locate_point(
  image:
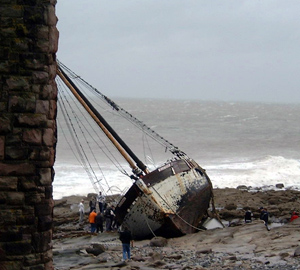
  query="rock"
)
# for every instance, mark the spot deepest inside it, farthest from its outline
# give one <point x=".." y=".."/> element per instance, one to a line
<point x="280" y="185"/>
<point x="242" y="187"/>
<point x="203" y="251"/>
<point x="138" y="258"/>
<point x="297" y="252"/>
<point x="230" y="206"/>
<point x="96" y="249"/>
<point x="158" y="242"/>
<point x="155" y="256"/>
<point x="157" y="264"/>
<point x="175" y="257"/>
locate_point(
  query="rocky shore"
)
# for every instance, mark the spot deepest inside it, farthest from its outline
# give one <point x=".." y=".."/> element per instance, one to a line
<point x="237" y="246"/>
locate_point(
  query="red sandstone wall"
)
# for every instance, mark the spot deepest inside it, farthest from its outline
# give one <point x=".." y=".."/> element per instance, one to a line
<point x="28" y="93"/>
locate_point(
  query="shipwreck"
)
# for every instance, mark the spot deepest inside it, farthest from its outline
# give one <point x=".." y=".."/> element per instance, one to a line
<point x="170" y="200"/>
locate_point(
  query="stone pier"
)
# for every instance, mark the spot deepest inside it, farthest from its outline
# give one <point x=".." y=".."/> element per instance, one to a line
<point x="28" y="95"/>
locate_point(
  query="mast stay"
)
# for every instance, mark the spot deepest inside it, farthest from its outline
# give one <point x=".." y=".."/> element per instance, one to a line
<point x="139" y="124"/>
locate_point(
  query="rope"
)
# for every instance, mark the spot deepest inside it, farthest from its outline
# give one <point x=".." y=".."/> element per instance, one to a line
<point x="128" y="116"/>
<point x="149" y="226"/>
<point x="192" y="226"/>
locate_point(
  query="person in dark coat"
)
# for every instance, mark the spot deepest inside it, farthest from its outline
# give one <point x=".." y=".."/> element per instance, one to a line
<point x="126" y="239"/>
<point x="92" y="204"/>
<point x="248" y="216"/>
<point x="264" y="215"/>
<point x="99" y="222"/>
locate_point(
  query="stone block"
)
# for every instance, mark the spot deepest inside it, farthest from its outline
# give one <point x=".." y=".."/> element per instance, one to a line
<point x="50" y="17"/>
<point x="45" y="176"/>
<point x="32" y="120"/>
<point x="7" y="217"/>
<point x="44" y="209"/>
<point x="33" y="259"/>
<point x="48" y="137"/>
<point x="18" y="83"/>
<point x="18" y="248"/>
<point x="34" y="153"/>
<point x="43" y="32"/>
<point x="12" y="11"/>
<point x="2" y="144"/>
<point x="53" y="109"/>
<point x="32" y="136"/>
<point x="27" y="184"/>
<point x="41" y="77"/>
<point x="52" y="71"/>
<point x="20" y="104"/>
<point x="42" y="106"/>
<point x="8" y="183"/>
<point x="5" y="124"/>
<point x="45" y="153"/>
<point x="27" y="220"/>
<point x="15" y="152"/>
<point x="53" y="39"/>
<point x="15" y="198"/>
<point x="16" y="169"/>
<point x="34" y="197"/>
<point x="10" y="235"/>
<point x="45" y="223"/>
<point x="41" y="241"/>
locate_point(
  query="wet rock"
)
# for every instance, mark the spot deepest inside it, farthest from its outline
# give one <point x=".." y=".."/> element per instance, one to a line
<point x="155" y="256"/>
<point x="242" y="187"/>
<point x="230" y="206"/>
<point x="297" y="252"/>
<point x="138" y="258"/>
<point x="203" y="251"/>
<point x="158" y="242"/>
<point x="280" y="185"/>
<point x="95" y="249"/>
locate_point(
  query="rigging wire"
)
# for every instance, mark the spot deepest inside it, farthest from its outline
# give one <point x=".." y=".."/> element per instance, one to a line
<point x="139" y="124"/>
<point x="75" y="139"/>
<point x="111" y="157"/>
<point x="108" y="154"/>
<point x="80" y="149"/>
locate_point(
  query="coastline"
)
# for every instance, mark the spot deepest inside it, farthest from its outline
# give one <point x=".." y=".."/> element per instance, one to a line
<point x="237" y="246"/>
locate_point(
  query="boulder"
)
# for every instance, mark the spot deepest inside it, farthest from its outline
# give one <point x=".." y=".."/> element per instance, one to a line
<point x="95" y="249"/>
<point x="158" y="242"/>
<point x="297" y="252"/>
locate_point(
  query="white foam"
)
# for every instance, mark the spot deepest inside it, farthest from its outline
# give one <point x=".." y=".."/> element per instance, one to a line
<point x="267" y="171"/>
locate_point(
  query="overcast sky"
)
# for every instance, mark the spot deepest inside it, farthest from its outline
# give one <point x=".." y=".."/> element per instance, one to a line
<point x="207" y="50"/>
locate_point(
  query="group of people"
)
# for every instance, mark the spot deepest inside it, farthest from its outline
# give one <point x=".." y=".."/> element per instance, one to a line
<point x="264" y="216"/>
<point x="96" y="219"/>
<point x="106" y="213"/>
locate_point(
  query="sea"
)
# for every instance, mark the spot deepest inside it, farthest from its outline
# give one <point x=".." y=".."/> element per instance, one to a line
<point x="256" y="145"/>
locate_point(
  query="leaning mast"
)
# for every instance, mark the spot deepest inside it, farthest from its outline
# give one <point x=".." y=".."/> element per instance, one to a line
<point x="121" y="146"/>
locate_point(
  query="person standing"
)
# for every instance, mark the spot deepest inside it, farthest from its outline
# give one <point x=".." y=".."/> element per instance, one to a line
<point x="126" y="239"/>
<point x="92" y="220"/>
<point x="109" y="216"/>
<point x="92" y="204"/>
<point x="99" y="222"/>
<point x="81" y="211"/>
<point x="248" y="216"/>
<point x="264" y="215"/>
<point x="101" y="200"/>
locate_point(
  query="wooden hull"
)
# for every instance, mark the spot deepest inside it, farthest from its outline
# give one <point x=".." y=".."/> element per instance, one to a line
<point x="169" y="202"/>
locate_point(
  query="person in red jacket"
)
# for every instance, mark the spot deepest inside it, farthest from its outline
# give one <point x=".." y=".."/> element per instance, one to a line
<point x="92" y="220"/>
<point x="294" y="216"/>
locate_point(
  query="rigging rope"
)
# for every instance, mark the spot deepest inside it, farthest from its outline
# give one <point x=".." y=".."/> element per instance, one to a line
<point x="139" y="124"/>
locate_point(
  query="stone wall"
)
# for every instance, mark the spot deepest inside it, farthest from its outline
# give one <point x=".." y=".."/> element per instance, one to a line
<point x="28" y="93"/>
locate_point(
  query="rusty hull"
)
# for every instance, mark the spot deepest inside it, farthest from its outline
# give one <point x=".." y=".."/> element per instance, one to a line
<point x="169" y="202"/>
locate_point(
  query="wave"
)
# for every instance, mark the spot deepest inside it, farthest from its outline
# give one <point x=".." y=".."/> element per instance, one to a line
<point x="267" y="171"/>
<point x="262" y="172"/>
